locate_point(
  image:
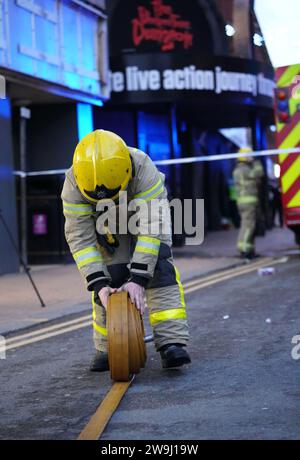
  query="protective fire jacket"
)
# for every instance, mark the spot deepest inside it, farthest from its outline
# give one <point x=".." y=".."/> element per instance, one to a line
<point x="247" y="178"/>
<point x="146" y="184"/>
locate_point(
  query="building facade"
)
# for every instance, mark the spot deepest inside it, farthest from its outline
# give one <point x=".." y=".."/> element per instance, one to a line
<point x="182" y="73"/>
<point x="54" y="62"/>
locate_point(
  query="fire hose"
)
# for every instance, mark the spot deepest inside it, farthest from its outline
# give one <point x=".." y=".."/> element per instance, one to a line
<point x="126" y="338"/>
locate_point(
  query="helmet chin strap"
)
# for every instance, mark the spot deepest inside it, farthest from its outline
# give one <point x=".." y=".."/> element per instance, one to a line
<point x="102" y="193"/>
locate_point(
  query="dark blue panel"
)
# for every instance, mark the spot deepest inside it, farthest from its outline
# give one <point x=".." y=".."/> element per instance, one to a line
<point x="8" y="259"/>
<point x="121" y="123"/>
<point x="154" y="135"/>
<point x="154" y="138"/>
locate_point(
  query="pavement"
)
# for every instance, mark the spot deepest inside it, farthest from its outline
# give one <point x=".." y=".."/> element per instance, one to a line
<point x="63" y="291"/>
<point x="243" y="382"/>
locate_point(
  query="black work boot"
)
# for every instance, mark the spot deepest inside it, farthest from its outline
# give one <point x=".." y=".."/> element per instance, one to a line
<point x="249" y="255"/>
<point x="100" y="362"/>
<point x="174" y="355"/>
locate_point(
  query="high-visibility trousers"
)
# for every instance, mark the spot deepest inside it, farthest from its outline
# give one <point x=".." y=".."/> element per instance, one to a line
<point x="164" y="295"/>
<point x="246" y="237"/>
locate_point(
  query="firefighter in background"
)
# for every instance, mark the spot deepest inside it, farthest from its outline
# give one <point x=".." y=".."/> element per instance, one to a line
<point x="247" y="176"/>
<point x="275" y="202"/>
<point x="142" y="265"/>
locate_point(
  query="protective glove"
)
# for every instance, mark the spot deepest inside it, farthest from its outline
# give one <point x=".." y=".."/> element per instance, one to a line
<point x="136" y="294"/>
<point x="104" y="294"/>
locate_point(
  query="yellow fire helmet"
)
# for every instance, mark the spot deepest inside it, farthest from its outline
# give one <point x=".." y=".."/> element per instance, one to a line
<point x="245" y="150"/>
<point x="102" y="166"/>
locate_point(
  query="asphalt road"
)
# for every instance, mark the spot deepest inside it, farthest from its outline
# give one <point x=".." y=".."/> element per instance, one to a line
<point x="242" y="383"/>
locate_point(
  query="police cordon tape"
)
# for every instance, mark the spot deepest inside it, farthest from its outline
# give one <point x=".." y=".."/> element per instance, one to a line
<point x="178" y="161"/>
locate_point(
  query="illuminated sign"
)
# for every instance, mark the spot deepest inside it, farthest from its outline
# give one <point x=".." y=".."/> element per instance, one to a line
<point x="144" y="78"/>
<point x="39" y="224"/>
<point x="162" y="25"/>
<point x="159" y="26"/>
<point x="164" y="51"/>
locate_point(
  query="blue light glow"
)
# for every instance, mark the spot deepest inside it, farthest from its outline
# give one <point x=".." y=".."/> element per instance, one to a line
<point x="48" y="48"/>
<point x="5" y="172"/>
<point x="5" y="108"/>
<point x="85" y="122"/>
<point x="258" y="133"/>
<point x="176" y="146"/>
<point x="154" y="135"/>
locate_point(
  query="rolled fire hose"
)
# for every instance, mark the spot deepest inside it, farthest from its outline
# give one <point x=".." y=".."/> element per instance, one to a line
<point x="125" y="335"/>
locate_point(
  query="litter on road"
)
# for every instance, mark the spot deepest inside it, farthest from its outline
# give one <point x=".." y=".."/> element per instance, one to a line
<point x="266" y="271"/>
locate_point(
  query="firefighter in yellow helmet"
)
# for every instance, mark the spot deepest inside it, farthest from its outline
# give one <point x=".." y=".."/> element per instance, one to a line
<point x="104" y="168"/>
<point x="247" y="177"/>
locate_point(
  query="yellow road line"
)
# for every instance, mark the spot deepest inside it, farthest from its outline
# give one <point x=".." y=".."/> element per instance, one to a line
<point x="223" y="277"/>
<point x="103" y="414"/>
<point x="4" y="348"/>
<point x="85" y="321"/>
<point x="235" y="270"/>
<point x="47" y="329"/>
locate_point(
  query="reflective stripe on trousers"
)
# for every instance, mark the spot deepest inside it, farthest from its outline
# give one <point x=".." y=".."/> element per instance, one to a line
<point x="247" y="199"/>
